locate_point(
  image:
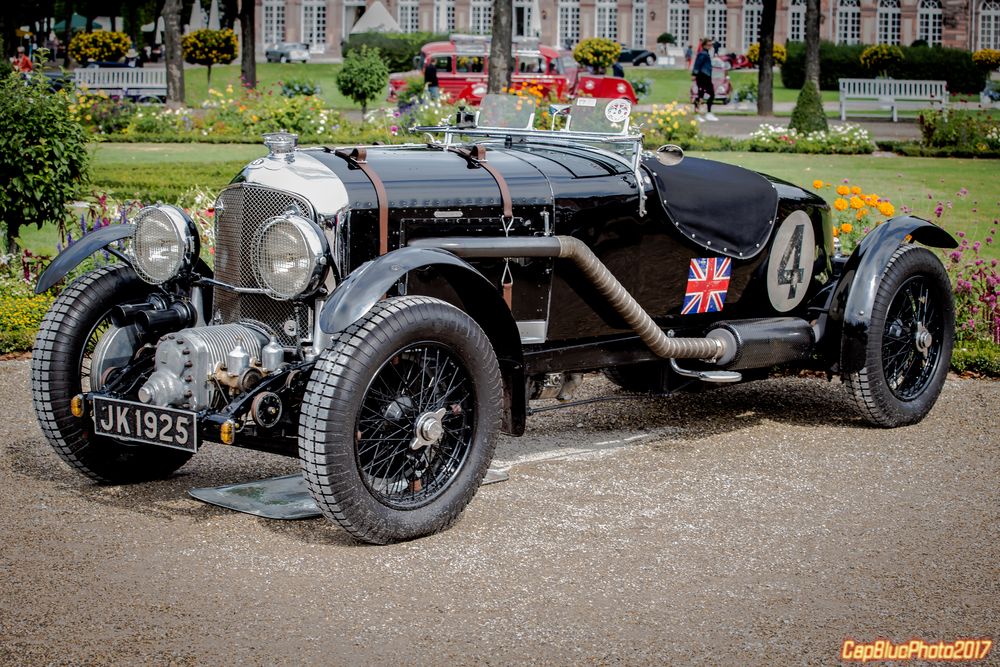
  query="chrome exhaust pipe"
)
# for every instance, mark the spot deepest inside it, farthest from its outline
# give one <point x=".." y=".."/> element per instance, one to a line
<point x="568" y="247"/>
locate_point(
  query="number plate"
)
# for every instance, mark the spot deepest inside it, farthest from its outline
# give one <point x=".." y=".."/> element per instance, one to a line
<point x="126" y="420"/>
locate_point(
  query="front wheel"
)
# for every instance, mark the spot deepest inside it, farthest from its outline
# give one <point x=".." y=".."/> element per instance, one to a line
<point x="400" y="419"/>
<point x="650" y="60"/>
<point x="61" y="369"/>
<point x="910" y="339"/>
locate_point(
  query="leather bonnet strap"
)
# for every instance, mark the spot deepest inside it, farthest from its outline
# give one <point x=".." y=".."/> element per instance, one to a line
<point x="357" y="158"/>
<point x="476" y="157"/>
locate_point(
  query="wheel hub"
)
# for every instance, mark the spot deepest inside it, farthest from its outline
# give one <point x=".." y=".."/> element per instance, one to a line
<point x="429" y="430"/>
<point x="923" y="339"/>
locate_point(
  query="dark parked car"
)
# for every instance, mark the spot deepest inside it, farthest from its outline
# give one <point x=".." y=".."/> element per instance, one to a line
<point x="637" y="56"/>
<point x="289" y="52"/>
<point x="382" y="313"/>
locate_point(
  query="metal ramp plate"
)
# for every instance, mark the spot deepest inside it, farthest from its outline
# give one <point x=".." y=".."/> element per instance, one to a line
<point x="282" y="498"/>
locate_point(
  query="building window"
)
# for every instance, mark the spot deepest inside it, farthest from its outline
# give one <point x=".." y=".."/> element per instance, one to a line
<point x="314" y="24"/>
<point x="751" y="22"/>
<point x="888" y="21"/>
<point x="849" y="22"/>
<point x="444" y="16"/>
<point x="353" y="11"/>
<point x="797" y="21"/>
<point x="481" y="17"/>
<point x="989" y="25"/>
<point x="522" y="19"/>
<point x="639" y="24"/>
<point x="409" y="15"/>
<point x="607" y="19"/>
<point x="679" y="21"/>
<point x="929" y="22"/>
<point x="273" y="21"/>
<point x="569" y="23"/>
<point x="715" y="21"/>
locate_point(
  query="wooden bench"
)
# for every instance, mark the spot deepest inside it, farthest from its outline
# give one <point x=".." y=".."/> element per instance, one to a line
<point x="142" y="84"/>
<point x="891" y="94"/>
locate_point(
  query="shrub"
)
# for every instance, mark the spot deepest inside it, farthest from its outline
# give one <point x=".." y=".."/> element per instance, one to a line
<point x="883" y="59"/>
<point x="5" y="66"/>
<point x="780" y="54"/>
<point x="102" y="46"/>
<point x="210" y="47"/>
<point x="642" y="87"/>
<point x="987" y="59"/>
<point x="295" y="87"/>
<point x="398" y="50"/>
<point x="808" y="114"/>
<point x="597" y="52"/>
<point x="976" y="356"/>
<point x="668" y="124"/>
<point x="43" y="154"/>
<point x="363" y="77"/>
<point x="970" y="130"/>
<point x="955" y="66"/>
<point x="977" y="290"/>
<point x="845" y="139"/>
<point x="102" y="114"/>
<point x="666" y="38"/>
<point x="747" y="92"/>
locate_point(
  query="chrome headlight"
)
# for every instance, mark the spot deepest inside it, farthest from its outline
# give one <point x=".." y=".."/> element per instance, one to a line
<point x="165" y="241"/>
<point x="290" y="256"/>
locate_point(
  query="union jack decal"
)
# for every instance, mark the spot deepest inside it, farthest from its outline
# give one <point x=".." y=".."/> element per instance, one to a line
<point x="708" y="282"/>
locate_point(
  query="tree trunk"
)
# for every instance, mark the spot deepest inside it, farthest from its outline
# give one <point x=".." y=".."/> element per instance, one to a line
<point x="501" y="60"/>
<point x="812" y="41"/>
<point x="10" y="241"/>
<point x="68" y="32"/>
<point x="209" y="79"/>
<point x="765" y="66"/>
<point x="172" y="52"/>
<point x="248" y="55"/>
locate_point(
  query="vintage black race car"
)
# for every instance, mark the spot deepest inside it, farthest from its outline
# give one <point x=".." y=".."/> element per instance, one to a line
<point x="383" y="312"/>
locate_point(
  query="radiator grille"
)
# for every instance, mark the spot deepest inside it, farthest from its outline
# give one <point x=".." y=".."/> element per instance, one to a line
<point x="240" y="212"/>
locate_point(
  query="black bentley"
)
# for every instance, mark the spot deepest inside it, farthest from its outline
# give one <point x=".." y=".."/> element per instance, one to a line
<point x="384" y="312"/>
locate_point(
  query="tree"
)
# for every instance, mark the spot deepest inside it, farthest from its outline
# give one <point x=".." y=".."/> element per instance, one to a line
<point x="808" y="115"/>
<point x="210" y="47"/>
<point x="43" y="155"/>
<point x="172" y="52"/>
<point x="597" y="53"/>
<point x="765" y="69"/>
<point x="248" y="54"/>
<point x="103" y="46"/>
<point x="501" y="59"/>
<point x="812" y="41"/>
<point x="363" y="77"/>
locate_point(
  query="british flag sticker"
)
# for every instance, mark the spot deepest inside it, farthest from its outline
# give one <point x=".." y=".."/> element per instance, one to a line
<point x="708" y="283"/>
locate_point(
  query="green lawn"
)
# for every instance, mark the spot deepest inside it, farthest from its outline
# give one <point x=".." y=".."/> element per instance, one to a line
<point x="166" y="171"/>
<point x="268" y="75"/>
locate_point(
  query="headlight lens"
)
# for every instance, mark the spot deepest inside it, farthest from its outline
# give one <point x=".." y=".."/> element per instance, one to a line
<point x="291" y="254"/>
<point x="162" y="244"/>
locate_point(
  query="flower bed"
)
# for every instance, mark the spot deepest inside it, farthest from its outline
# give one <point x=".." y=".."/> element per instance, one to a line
<point x="847" y="139"/>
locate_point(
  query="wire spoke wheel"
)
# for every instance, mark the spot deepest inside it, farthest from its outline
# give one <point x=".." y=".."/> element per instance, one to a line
<point x="911" y="339"/>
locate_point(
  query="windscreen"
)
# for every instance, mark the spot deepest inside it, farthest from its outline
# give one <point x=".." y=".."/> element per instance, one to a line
<point x="591" y="114"/>
<point x="506" y="111"/>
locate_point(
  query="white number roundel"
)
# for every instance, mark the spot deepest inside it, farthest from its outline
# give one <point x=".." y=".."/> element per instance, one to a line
<point x="790" y="265"/>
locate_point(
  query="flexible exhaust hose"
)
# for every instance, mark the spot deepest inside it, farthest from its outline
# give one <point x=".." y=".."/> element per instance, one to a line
<point x="568" y="247"/>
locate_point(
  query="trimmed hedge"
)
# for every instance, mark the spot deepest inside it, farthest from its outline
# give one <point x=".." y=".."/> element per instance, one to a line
<point x="398" y="50"/>
<point x="841" y="61"/>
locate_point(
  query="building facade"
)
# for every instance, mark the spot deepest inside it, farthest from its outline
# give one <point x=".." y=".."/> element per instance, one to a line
<point x="324" y="24"/>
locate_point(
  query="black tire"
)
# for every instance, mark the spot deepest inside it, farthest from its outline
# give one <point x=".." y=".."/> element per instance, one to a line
<point x="60" y="370"/>
<point x="360" y="412"/>
<point x="903" y="372"/>
<point x="650" y="60"/>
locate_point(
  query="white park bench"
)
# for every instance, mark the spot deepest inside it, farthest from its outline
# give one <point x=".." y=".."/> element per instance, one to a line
<point x="143" y="84"/>
<point x="891" y="94"/>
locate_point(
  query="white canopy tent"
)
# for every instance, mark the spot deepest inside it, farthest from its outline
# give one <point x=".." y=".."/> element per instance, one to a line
<point x="376" y="19"/>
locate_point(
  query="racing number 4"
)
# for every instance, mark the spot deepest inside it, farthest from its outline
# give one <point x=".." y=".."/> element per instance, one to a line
<point x="794" y="276"/>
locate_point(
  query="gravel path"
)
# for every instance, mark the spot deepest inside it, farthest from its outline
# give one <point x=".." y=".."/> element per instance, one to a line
<point x="757" y="524"/>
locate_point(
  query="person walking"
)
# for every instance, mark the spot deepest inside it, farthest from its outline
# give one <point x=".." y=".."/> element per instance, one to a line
<point x="688" y="55"/>
<point x="431" y="79"/>
<point x="702" y="75"/>
<point x="22" y="63"/>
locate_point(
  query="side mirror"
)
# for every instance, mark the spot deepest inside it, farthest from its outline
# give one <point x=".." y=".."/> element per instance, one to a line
<point x="668" y="155"/>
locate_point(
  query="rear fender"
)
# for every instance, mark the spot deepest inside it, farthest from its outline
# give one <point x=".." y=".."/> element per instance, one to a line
<point x="83" y="248"/>
<point x="854" y="296"/>
<point x="478" y="297"/>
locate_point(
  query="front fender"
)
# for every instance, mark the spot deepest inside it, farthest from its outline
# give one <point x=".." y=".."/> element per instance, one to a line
<point x="83" y="248"/>
<point x="858" y="285"/>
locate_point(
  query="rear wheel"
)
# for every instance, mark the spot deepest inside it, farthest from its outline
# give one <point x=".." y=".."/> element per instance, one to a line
<point x="910" y="339"/>
<point x="650" y="60"/>
<point x="400" y="419"/>
<point x="61" y="369"/>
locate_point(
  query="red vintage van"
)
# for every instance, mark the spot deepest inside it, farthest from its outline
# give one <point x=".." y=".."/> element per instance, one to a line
<point x="461" y="65"/>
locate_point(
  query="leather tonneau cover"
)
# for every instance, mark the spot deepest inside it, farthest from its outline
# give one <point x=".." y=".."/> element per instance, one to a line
<point x="723" y="208"/>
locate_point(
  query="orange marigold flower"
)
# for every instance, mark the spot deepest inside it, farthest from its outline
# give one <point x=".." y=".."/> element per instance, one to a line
<point x="817" y="184"/>
<point x="836" y="231"/>
<point x="855" y="190"/>
<point x="886" y="209"/>
<point x="847" y="228"/>
<point x="843" y="190"/>
<point x="840" y="204"/>
<point x="857" y="203"/>
<point x="861" y="214"/>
